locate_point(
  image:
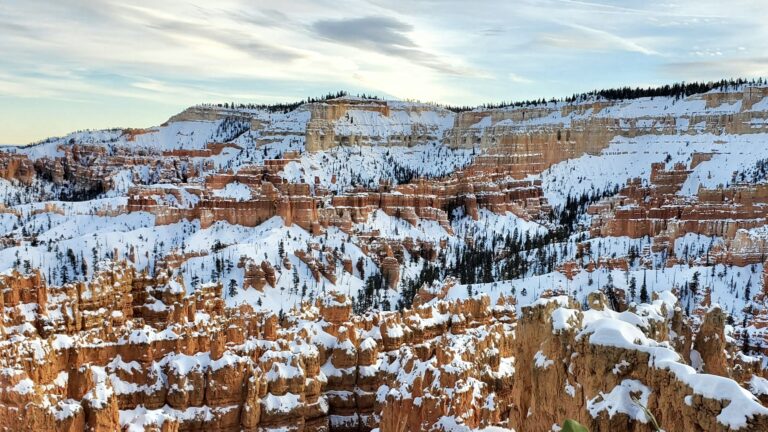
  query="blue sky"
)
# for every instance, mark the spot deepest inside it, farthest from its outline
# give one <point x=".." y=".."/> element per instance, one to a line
<point x="80" y="64"/>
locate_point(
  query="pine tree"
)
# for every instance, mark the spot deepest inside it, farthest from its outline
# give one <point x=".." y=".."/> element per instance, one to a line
<point x="694" y="284"/>
<point x="632" y="288"/>
<point x="72" y="258"/>
<point x="64" y="274"/>
<point x="644" y="291"/>
<point x="611" y="293"/>
<point x="745" y="342"/>
<point x="232" y="288"/>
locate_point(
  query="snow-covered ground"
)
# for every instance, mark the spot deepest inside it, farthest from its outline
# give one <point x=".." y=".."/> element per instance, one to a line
<point x="258" y="135"/>
<point x="628" y="158"/>
<point x="342" y="167"/>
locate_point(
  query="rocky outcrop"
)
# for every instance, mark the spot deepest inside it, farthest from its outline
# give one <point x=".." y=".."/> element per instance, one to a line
<point x="257" y="276"/>
<point x="659" y="212"/>
<point x="467" y="360"/>
<point x="710" y="343"/>
<point x="596" y="365"/>
<point x="354" y="121"/>
<point x="17" y="167"/>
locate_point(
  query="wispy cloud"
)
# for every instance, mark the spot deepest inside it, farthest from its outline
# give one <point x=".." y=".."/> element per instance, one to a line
<point x="182" y="30"/>
<point x="519" y="79"/>
<point x="718" y="69"/>
<point x="583" y="38"/>
<point x="382" y="35"/>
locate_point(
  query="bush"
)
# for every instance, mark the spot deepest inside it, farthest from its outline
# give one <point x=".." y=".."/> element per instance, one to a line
<point x="573" y="426"/>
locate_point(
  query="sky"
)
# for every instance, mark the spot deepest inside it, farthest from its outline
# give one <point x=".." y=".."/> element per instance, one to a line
<point x="68" y="65"/>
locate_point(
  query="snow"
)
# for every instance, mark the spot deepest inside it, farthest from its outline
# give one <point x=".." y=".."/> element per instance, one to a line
<point x="342" y="167"/>
<point x="758" y="386"/>
<point x="760" y="106"/>
<point x="99" y="395"/>
<point x="357" y="122"/>
<point x="66" y="409"/>
<point x="612" y="332"/>
<point x="562" y="319"/>
<point x="621" y="331"/>
<point x="25" y="386"/>
<point x="236" y="190"/>
<point x="726" y="282"/>
<point x="628" y="158"/>
<point x="395" y="332"/>
<point x="497" y="223"/>
<point x="542" y="361"/>
<point x="452" y="424"/>
<point x="117" y="363"/>
<point x="280" y="404"/>
<point x="139" y="418"/>
<point x="569" y="389"/>
<point x="147" y="335"/>
<point x="620" y="367"/>
<point x="280" y="371"/>
<point x="620" y="400"/>
<point x="178" y="135"/>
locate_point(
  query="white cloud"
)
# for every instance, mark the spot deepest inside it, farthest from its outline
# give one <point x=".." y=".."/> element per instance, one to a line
<point x="176" y="51"/>
<point x="518" y="78"/>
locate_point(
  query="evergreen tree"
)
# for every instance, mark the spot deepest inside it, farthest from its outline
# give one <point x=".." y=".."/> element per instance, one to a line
<point x="232" y="288"/>
<point x="610" y="292"/>
<point x="295" y="275"/>
<point x="693" y="285"/>
<point x="745" y="342"/>
<point x="64" y="274"/>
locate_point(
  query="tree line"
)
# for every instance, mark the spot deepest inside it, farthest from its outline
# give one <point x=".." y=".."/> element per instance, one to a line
<point x="286" y="107"/>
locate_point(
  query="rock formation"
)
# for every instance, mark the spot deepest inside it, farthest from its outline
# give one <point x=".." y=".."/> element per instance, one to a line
<point x="327" y="369"/>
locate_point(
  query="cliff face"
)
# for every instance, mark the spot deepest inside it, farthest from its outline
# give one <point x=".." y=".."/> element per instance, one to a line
<point x="602" y="369"/>
<point x="530" y="140"/>
<point x="349" y="122"/>
<point x="661" y="212"/>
